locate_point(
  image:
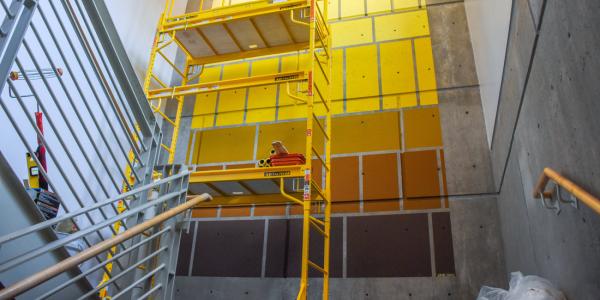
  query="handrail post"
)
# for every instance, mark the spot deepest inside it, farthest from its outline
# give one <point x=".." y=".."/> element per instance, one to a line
<point x="575" y="190"/>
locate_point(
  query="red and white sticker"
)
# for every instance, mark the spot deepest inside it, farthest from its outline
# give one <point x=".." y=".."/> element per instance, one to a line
<point x="306" y="184"/>
<point x="310" y="83"/>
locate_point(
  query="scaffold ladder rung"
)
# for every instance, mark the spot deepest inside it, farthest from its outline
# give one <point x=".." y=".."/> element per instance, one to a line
<point x="317" y="267"/>
<point x="319" y="191"/>
<point x="321" y="127"/>
<point x="320" y="230"/>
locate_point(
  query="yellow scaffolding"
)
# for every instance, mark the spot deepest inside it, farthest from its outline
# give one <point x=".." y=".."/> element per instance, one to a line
<point x="237" y="32"/>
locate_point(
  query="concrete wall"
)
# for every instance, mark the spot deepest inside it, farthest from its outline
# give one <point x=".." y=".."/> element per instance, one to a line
<point x="475" y="238"/>
<point x="20" y="214"/>
<point x="547" y="117"/>
<point x="136" y="24"/>
<point x="489" y="25"/>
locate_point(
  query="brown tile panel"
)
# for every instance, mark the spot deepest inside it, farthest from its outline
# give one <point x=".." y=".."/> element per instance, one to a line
<point x="296" y="209"/>
<point x="209" y="168"/>
<point x="380" y="177"/>
<point x="422" y="203"/>
<point x="345" y="207"/>
<point x="317" y="172"/>
<point x="229" y="248"/>
<point x="344" y="178"/>
<point x="185" y="251"/>
<point x="388" y="246"/>
<point x="234" y="211"/>
<point x="277" y="244"/>
<point x="381" y="205"/>
<point x="240" y="166"/>
<point x="269" y="210"/>
<point x="284" y="248"/>
<point x="336" y="247"/>
<point x="421" y="180"/>
<point x="442" y="241"/>
<point x="444" y="179"/>
<point x="209" y="212"/>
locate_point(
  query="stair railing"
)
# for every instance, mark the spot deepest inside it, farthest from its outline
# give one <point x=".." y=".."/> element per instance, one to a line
<point x="151" y="245"/>
<point x="577" y="193"/>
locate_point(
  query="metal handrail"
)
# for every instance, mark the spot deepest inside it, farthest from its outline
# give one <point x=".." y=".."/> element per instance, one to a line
<point x="71" y="262"/>
<point x="577" y="191"/>
<point x="96" y="206"/>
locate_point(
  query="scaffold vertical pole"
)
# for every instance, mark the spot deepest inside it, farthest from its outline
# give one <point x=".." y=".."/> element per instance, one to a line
<point x="327" y="168"/>
<point x="178" y="113"/>
<point x="302" y="294"/>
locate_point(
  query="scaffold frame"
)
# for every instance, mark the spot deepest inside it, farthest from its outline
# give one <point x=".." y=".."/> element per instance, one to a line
<point x="305" y="21"/>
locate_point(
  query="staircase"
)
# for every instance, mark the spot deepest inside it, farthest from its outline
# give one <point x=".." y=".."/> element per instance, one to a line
<point x="120" y="213"/>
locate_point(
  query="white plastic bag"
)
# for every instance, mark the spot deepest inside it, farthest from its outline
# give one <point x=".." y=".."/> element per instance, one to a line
<point x="523" y="288"/>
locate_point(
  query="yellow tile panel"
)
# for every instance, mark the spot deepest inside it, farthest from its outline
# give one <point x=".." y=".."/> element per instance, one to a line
<point x="292" y="134"/>
<point x="262" y="99"/>
<point x="195" y="149"/>
<point x="232" y="102"/>
<point x="333" y="11"/>
<point x="321" y="91"/>
<point x="405" y="4"/>
<point x="235" y="70"/>
<point x="397" y="68"/>
<point x="337" y="74"/>
<point x="378" y="6"/>
<point x="426" y="71"/>
<point x="289" y="108"/>
<point x="231" y="107"/>
<point x="362" y="104"/>
<point x="210" y="74"/>
<point x="365" y="133"/>
<point x="337" y="107"/>
<point x="354" y="32"/>
<point x="422" y="128"/>
<point x="399" y="101"/>
<point x="361" y="72"/>
<point x="397" y="75"/>
<point x="204" y="108"/>
<point x="233" y="2"/>
<point x="261" y="104"/>
<point x="401" y="25"/>
<point x="226" y="144"/>
<point x="294" y="62"/>
<point x="353" y="8"/>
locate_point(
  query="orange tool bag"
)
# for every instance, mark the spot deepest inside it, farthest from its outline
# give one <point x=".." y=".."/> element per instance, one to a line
<point x="289" y="159"/>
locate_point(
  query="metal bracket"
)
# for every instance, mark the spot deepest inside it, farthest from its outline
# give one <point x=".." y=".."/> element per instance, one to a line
<point x="572" y="199"/>
<point x="554" y="205"/>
